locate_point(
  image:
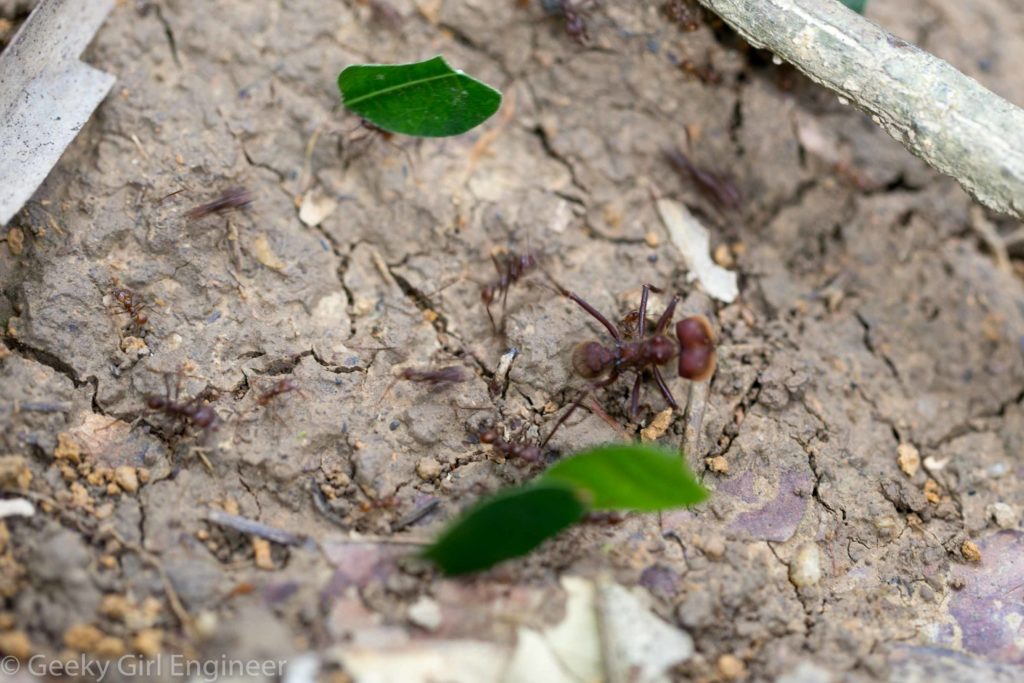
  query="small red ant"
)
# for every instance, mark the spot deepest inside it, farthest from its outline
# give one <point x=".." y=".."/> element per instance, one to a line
<point x="235" y="198"/>
<point x="384" y="13"/>
<point x="511" y="268"/>
<point x="693" y="345"/>
<point x="705" y="74"/>
<point x="130" y="302"/>
<point x="282" y="386"/>
<point x="718" y="188"/>
<point x="512" y="451"/>
<point x="194" y="411"/>
<point x="452" y="374"/>
<point x="575" y="24"/>
<point x="683" y="14"/>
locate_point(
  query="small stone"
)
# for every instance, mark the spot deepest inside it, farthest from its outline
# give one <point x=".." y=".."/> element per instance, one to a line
<point x="651" y="239"/>
<point x="231" y="506"/>
<point x="723" y="256"/>
<point x="83" y="637"/>
<point x="206" y="623"/>
<point x="126" y="478"/>
<point x="805" y="567"/>
<point x="135" y="347"/>
<point x="909" y="459"/>
<point x="112" y="489"/>
<point x="714" y="547"/>
<point x="143" y="475"/>
<point x="261" y="549"/>
<point x="16" y="240"/>
<point x="425" y="613"/>
<point x="110" y="647"/>
<point x="731" y="667"/>
<point x="971" y="551"/>
<point x="932" y="491"/>
<point x="147" y="642"/>
<point x="116" y="606"/>
<point x="718" y="464"/>
<point x="14" y="471"/>
<point x="659" y="425"/>
<point x="1002" y="514"/>
<point x="67" y="448"/>
<point x="16" y="644"/>
<point x="428" y="469"/>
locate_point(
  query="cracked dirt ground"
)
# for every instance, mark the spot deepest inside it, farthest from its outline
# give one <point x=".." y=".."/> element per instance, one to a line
<point x="872" y="323"/>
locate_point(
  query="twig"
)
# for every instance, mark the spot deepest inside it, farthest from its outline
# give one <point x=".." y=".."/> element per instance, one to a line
<point x="252" y="527"/>
<point x="940" y="115"/>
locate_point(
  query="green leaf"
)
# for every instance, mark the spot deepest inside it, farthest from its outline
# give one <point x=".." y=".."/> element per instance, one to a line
<point x="427" y="99"/>
<point x="857" y="6"/>
<point x="510" y="524"/>
<point x="630" y="477"/>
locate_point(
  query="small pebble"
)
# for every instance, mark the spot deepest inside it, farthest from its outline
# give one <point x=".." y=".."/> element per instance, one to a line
<point x="805" y="567"/>
<point x="15" y="241"/>
<point x="428" y="468"/>
<point x="127" y="478"/>
<point x="425" y="613"/>
<point x="1002" y="514"/>
<point x="718" y="464"/>
<point x="714" y="547"/>
<point x="261" y="549"/>
<point x="16" y="644"/>
<point x="147" y="642"/>
<point x="731" y="667"/>
<point x="971" y="551"/>
<point x="909" y="459"/>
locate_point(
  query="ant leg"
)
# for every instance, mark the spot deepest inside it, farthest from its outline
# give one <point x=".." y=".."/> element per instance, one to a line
<point x="576" y="404"/>
<point x="634" y="397"/>
<point x="490" y="316"/>
<point x="642" y="328"/>
<point x="666" y="317"/>
<point x="669" y="398"/>
<point x="595" y="313"/>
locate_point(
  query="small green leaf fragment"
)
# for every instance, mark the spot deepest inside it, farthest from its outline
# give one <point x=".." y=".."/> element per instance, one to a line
<point x="857" y="6"/>
<point x="426" y="99"/>
<point x="510" y="524"/>
<point x="630" y="477"/>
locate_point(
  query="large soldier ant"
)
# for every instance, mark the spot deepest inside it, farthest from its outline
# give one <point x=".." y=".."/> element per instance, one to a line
<point x="694" y="347"/>
<point x="511" y="267"/>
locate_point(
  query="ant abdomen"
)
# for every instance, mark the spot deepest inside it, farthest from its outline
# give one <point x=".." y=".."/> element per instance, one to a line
<point x="696" y="348"/>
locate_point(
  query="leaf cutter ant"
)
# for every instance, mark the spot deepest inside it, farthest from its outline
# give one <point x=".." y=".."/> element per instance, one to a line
<point x="719" y="188"/>
<point x="511" y="268"/>
<point x="693" y="346"/>
<point x="195" y="411"/>
<point x="235" y="198"/>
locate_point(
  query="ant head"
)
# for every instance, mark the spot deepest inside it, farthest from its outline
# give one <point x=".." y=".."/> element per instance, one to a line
<point x="205" y="418"/>
<point x="157" y="402"/>
<point x="488" y="436"/>
<point x="696" y="348"/>
<point x="591" y="359"/>
<point x="487" y="294"/>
